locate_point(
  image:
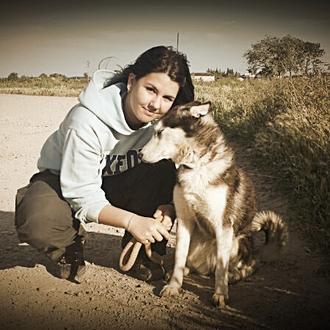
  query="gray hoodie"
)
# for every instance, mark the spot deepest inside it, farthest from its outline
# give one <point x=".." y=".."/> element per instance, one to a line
<point x="93" y="140"/>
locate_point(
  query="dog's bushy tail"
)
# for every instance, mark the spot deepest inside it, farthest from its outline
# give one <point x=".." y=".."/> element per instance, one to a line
<point x="276" y="234"/>
<point x="248" y="258"/>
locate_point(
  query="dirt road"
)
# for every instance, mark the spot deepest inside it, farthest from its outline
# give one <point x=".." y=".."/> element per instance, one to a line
<point x="287" y="294"/>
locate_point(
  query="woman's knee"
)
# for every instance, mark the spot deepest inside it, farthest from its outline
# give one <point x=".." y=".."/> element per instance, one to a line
<point x="33" y="220"/>
<point x="38" y="212"/>
<point x="33" y="232"/>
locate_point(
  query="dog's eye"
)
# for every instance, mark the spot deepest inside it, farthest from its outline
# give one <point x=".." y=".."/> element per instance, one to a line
<point x="159" y="133"/>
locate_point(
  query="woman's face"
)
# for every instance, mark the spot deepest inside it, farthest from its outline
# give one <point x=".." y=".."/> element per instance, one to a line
<point x="148" y="98"/>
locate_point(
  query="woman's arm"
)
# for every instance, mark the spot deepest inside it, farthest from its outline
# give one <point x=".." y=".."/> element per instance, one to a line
<point x="143" y="229"/>
<point x="81" y="180"/>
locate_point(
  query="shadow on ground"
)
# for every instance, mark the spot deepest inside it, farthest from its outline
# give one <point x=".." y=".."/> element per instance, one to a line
<point x="99" y="249"/>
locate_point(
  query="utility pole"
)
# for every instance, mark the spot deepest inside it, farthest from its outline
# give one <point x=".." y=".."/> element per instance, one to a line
<point x="177" y="41"/>
<point x="87" y="73"/>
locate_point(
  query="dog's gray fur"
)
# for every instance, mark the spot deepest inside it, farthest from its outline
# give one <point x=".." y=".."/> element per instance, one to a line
<point x="214" y="201"/>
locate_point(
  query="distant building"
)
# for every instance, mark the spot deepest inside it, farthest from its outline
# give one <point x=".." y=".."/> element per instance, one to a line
<point x="203" y="76"/>
<point x="249" y="75"/>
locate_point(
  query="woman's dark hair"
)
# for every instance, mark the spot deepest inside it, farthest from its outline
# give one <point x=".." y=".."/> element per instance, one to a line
<point x="161" y="59"/>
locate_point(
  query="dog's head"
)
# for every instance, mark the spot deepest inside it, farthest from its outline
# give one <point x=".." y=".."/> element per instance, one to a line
<point x="178" y="133"/>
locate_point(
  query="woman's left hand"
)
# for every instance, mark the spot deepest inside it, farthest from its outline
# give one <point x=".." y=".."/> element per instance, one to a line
<point x="165" y="213"/>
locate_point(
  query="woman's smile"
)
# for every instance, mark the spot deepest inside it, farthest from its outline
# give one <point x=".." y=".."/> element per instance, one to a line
<point x="148" y="98"/>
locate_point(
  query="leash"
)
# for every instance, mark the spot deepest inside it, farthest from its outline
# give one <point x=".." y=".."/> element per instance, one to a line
<point x="130" y="252"/>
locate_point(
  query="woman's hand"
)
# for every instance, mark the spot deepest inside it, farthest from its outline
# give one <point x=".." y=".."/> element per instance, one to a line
<point x="147" y="230"/>
<point x="165" y="214"/>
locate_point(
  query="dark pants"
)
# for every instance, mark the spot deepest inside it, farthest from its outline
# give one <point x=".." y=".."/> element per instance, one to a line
<point x="45" y="220"/>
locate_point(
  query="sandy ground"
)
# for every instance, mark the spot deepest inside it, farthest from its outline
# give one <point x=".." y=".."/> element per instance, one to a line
<point x="290" y="293"/>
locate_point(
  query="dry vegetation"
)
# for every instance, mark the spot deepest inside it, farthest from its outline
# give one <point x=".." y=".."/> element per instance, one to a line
<point x="53" y="85"/>
<point x="286" y="122"/>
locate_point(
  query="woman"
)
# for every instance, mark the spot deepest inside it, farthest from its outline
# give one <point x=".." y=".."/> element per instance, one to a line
<point x="89" y="168"/>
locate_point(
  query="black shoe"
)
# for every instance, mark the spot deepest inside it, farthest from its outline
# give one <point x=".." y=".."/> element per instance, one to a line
<point x="72" y="265"/>
<point x="147" y="271"/>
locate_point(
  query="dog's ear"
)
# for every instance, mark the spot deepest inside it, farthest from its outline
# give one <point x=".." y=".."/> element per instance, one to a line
<point x="198" y="111"/>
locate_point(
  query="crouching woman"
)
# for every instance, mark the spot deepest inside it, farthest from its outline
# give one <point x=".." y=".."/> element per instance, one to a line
<point x="89" y="169"/>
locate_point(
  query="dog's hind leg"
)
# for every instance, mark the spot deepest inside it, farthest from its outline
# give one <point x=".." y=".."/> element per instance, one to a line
<point x="224" y="239"/>
<point x="202" y="256"/>
<point x="242" y="260"/>
<point x="184" y="232"/>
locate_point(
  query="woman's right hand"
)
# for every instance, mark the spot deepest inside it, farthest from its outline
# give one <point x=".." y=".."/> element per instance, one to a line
<point x="147" y="230"/>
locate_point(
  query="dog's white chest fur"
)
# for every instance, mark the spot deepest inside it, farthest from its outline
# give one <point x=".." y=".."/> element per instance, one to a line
<point x="195" y="199"/>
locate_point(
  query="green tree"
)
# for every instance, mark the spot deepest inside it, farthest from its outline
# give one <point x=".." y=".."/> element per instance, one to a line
<point x="312" y="53"/>
<point x="13" y="76"/>
<point x="287" y="55"/>
<point x="262" y="55"/>
<point x="292" y="58"/>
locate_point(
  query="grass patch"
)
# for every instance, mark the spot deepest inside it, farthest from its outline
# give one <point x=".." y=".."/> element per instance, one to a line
<point x="56" y="85"/>
<point x="287" y="124"/>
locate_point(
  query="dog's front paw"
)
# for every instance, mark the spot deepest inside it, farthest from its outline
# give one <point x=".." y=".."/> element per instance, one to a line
<point x="220" y="300"/>
<point x="169" y="291"/>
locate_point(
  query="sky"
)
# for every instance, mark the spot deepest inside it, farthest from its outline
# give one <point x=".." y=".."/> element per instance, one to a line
<point x="73" y="36"/>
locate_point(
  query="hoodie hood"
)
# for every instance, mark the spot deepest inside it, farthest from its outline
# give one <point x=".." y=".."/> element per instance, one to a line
<point x="106" y="102"/>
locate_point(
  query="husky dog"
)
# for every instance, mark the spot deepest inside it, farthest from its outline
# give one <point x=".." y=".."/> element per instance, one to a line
<point x="214" y="201"/>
